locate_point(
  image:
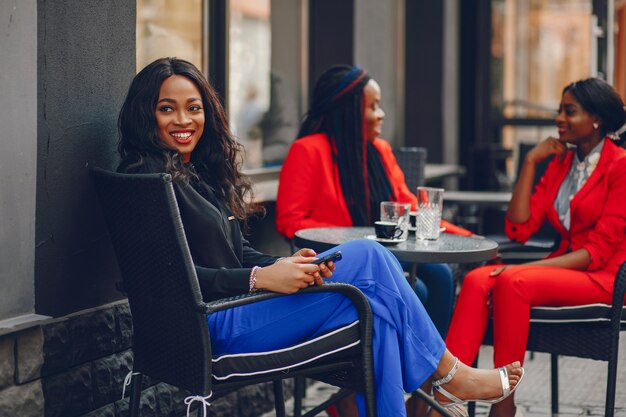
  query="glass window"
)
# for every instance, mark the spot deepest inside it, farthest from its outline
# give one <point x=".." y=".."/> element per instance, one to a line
<point x="266" y="64"/>
<point x="537" y="47"/>
<point x="165" y="28"/>
<point x="265" y="61"/>
<point x="620" y="47"/>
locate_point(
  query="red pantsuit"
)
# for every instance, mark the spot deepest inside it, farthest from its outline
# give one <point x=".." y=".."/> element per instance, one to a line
<point x="511" y="295"/>
<point x="598" y="225"/>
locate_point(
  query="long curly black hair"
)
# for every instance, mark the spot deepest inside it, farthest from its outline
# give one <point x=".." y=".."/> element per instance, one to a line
<point x="216" y="158"/>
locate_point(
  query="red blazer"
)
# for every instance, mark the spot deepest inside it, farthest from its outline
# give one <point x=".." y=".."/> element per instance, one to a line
<point x="309" y="190"/>
<point x="598" y="213"/>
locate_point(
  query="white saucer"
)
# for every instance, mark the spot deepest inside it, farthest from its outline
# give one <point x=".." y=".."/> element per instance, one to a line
<point x="385" y="241"/>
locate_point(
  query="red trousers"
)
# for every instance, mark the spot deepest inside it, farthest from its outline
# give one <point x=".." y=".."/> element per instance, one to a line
<point x="509" y="296"/>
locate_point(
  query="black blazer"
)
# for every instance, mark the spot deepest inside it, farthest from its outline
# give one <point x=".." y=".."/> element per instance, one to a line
<point x="222" y="256"/>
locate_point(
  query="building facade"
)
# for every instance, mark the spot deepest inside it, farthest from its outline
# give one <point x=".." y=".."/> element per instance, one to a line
<point x="65" y="330"/>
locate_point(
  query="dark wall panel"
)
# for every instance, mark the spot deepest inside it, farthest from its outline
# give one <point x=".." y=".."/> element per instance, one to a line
<point x="86" y="60"/>
<point x="331" y="36"/>
<point x="218" y="56"/>
<point x="424" y="77"/>
<point x="475" y="132"/>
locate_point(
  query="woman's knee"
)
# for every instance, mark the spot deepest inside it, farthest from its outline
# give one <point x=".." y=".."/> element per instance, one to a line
<point x="509" y="280"/>
<point x="365" y="253"/>
<point x="478" y="280"/>
<point x="361" y="246"/>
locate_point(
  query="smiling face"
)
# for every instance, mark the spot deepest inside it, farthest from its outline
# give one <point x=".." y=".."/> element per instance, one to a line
<point x="180" y="115"/>
<point x="373" y="114"/>
<point x="574" y="123"/>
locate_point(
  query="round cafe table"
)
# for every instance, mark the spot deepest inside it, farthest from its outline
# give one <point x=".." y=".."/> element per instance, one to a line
<point x="448" y="248"/>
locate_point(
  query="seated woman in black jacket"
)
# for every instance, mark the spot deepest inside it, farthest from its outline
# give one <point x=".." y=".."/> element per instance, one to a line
<point x="172" y="121"/>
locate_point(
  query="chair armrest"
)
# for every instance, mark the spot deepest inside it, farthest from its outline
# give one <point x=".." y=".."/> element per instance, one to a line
<point x="350" y="291"/>
<point x="619" y="288"/>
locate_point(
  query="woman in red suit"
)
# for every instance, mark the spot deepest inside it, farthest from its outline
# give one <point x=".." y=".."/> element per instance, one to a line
<point x="339" y="170"/>
<point x="581" y="195"/>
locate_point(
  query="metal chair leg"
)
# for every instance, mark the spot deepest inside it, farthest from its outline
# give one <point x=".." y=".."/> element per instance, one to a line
<point x="135" y="394"/>
<point x="433" y="403"/>
<point x="279" y="398"/>
<point x="334" y="399"/>
<point x="611" y="378"/>
<point x="471" y="406"/>
<point x="471" y="409"/>
<point x="298" y="394"/>
<point x="554" y="375"/>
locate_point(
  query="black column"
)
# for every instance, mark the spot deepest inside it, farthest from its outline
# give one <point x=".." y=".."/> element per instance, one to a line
<point x="331" y="36"/>
<point x="424" y="77"/>
<point x="218" y="47"/>
<point x="475" y="135"/>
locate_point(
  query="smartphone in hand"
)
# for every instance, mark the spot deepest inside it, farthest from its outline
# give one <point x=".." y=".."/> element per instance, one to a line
<point x="335" y="256"/>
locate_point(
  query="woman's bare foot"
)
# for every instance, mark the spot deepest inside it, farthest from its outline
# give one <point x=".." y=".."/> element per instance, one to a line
<point x="471" y="383"/>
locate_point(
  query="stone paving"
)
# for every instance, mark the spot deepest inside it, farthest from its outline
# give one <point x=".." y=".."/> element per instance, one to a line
<point x="581" y="393"/>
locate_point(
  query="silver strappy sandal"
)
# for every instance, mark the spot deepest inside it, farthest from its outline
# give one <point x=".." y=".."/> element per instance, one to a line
<point x="504" y="380"/>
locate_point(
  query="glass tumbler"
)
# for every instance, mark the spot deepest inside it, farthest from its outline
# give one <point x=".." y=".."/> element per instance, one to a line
<point x="428" y="216"/>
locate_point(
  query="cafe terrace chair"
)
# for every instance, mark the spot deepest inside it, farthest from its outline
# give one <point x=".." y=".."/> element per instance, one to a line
<point x="171" y="340"/>
<point x="412" y="161"/>
<point x="586" y="331"/>
<point x="480" y="205"/>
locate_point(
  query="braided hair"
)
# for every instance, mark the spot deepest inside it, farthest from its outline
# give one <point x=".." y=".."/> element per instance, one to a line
<point x="337" y="110"/>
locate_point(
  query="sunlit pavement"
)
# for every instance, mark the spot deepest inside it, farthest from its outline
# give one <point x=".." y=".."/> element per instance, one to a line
<point x="582" y="386"/>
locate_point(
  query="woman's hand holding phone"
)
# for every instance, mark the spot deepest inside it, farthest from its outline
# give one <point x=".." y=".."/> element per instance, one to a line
<point x="327" y="263"/>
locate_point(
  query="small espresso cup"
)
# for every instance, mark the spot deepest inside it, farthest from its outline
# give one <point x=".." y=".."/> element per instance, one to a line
<point x="387" y="230"/>
<point x="397" y="213"/>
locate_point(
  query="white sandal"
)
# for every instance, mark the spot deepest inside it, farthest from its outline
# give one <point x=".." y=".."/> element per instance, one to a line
<point x="504" y="380"/>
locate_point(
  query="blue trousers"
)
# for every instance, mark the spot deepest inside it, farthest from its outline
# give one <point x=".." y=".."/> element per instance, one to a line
<point x="434" y="287"/>
<point x="406" y="345"/>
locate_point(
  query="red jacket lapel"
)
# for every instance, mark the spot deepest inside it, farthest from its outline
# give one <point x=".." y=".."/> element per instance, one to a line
<point x="606" y="158"/>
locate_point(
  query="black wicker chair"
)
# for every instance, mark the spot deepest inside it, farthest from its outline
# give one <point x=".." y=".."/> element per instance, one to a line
<point x="476" y="207"/>
<point x="586" y="331"/>
<point x="171" y="340"/>
<point x="412" y="161"/>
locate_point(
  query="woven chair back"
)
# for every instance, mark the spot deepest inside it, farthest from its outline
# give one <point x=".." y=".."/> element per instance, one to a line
<point x="412" y="161"/>
<point x="170" y="334"/>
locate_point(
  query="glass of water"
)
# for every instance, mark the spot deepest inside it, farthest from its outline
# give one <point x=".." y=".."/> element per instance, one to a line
<point x="428" y="216"/>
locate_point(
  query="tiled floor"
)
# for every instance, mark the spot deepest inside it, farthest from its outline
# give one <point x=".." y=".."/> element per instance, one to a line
<point x="581" y="393"/>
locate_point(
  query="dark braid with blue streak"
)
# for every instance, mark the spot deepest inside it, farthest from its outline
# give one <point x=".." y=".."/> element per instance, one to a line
<point x="337" y="110"/>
